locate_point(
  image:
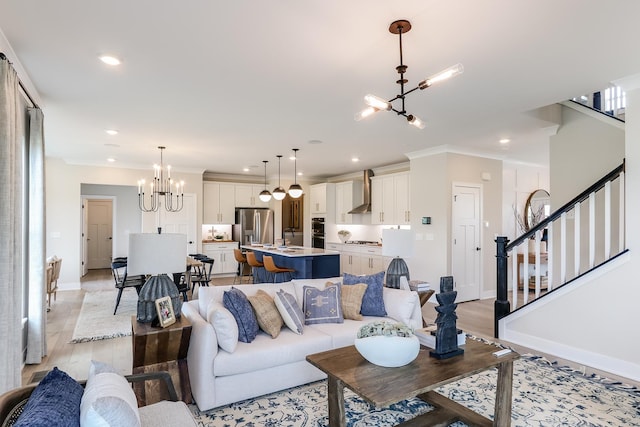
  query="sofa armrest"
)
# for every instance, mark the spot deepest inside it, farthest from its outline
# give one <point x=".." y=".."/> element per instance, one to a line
<point x="203" y="349"/>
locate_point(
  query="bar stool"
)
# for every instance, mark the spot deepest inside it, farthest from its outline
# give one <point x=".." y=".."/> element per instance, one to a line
<point x="256" y="267"/>
<point x="242" y="262"/>
<point x="273" y="268"/>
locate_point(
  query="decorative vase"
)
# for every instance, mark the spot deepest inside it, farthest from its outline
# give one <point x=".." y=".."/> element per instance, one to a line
<point x="344" y="237"/>
<point x="390" y="352"/>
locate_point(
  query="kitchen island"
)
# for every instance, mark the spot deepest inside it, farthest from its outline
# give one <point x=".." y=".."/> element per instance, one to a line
<point x="308" y="263"/>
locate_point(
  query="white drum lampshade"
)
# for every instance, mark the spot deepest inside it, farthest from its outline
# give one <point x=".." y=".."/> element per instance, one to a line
<point x="397" y="243"/>
<point x="157" y="255"/>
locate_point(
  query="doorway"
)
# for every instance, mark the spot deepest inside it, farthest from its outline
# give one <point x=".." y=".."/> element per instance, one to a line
<point x="98" y="235"/>
<point x="466" y="251"/>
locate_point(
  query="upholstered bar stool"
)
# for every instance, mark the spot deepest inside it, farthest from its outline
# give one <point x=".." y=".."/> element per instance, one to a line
<point x="242" y="263"/>
<point x="274" y="269"/>
<point x="259" y="273"/>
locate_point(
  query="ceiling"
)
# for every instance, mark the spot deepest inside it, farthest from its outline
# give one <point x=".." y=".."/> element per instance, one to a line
<point x="225" y="85"/>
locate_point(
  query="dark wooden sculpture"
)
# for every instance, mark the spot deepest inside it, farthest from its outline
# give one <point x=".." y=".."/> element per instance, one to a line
<point x="447" y="332"/>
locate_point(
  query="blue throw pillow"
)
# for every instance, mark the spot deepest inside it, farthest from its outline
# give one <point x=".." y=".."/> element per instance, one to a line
<point x="237" y="303"/>
<point x="322" y="305"/>
<point x="372" y="301"/>
<point x="54" y="402"/>
<point x="290" y="311"/>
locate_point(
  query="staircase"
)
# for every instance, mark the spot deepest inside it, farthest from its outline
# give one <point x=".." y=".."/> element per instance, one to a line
<point x="584" y="234"/>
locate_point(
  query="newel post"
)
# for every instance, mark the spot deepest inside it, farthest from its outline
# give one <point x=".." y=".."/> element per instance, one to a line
<point x="501" y="306"/>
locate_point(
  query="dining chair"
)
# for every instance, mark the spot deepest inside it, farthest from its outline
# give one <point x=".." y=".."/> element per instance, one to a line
<point x="123" y="280"/>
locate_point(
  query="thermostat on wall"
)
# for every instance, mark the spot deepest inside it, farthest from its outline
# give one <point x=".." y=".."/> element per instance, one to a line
<point x="426" y="220"/>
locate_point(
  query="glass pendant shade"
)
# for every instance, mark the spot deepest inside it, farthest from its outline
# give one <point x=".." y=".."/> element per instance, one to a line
<point x="278" y="192"/>
<point x="265" y="195"/>
<point x="295" y="190"/>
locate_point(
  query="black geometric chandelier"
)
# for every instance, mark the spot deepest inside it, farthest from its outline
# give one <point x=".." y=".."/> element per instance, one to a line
<point x="376" y="104"/>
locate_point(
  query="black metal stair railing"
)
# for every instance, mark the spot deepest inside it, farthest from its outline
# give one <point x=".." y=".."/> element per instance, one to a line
<point x="595" y="239"/>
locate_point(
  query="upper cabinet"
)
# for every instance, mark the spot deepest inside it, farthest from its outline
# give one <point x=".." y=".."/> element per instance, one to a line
<point x="348" y="196"/>
<point x="218" y="203"/>
<point x="390" y="201"/>
<point x="247" y="196"/>
<point x="318" y="199"/>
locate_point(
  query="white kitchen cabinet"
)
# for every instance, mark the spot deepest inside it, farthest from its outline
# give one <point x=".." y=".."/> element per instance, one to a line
<point x="218" y="203"/>
<point x="371" y="260"/>
<point x="348" y="196"/>
<point x="248" y="196"/>
<point x="390" y="199"/>
<point x="224" y="261"/>
<point x="318" y="199"/>
<point x="350" y="261"/>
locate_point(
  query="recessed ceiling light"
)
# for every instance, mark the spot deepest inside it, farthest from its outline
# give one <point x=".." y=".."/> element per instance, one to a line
<point x="111" y="132"/>
<point x="299" y="173"/>
<point x="315" y="141"/>
<point x="111" y="145"/>
<point x="110" y="60"/>
<point x="111" y="160"/>
<point x="245" y="169"/>
<point x="355" y="159"/>
<point x="505" y="141"/>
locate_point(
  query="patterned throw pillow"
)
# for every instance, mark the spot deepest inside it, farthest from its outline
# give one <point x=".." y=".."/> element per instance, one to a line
<point x="372" y="301"/>
<point x="237" y="303"/>
<point x="267" y="313"/>
<point x="290" y="311"/>
<point x="351" y="299"/>
<point x="322" y="305"/>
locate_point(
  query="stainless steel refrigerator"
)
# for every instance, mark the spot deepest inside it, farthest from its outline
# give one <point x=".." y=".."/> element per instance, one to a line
<point x="253" y="226"/>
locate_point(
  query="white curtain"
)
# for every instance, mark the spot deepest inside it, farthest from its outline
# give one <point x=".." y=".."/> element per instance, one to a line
<point x="36" y="326"/>
<point x="11" y="244"/>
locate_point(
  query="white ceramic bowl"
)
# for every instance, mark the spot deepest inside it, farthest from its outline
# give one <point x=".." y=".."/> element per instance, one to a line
<point x="390" y="352"/>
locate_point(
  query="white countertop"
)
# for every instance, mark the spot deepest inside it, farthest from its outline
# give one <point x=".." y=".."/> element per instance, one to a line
<point x="291" y="251"/>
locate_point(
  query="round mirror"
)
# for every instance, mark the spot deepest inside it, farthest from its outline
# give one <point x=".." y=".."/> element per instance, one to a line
<point x="537" y="208"/>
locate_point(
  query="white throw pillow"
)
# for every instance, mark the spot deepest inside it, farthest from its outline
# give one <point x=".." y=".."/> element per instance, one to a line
<point x="108" y="401"/>
<point x="224" y="324"/>
<point x="400" y="305"/>
<point x="290" y="311"/>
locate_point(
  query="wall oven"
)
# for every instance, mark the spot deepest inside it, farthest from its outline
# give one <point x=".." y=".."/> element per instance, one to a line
<point x="317" y="233"/>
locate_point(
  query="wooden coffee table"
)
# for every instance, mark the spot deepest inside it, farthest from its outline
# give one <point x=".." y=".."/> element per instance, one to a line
<point x="381" y="387"/>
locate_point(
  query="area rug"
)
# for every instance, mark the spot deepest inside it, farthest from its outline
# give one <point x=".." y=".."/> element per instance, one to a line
<point x="543" y="395"/>
<point x="97" y="321"/>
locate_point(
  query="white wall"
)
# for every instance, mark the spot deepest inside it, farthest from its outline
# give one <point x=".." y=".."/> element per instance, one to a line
<point x="594" y="320"/>
<point x="64" y="212"/>
<point x="432" y="176"/>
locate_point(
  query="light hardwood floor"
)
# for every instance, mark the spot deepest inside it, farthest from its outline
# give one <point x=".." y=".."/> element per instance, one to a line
<point x="475" y="317"/>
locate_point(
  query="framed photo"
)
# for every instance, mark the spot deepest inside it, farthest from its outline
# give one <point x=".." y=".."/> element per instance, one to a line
<point x="164" y="307"/>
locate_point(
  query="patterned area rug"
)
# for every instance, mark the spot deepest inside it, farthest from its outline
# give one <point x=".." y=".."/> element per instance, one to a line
<point x="97" y="321"/>
<point x="543" y="395"/>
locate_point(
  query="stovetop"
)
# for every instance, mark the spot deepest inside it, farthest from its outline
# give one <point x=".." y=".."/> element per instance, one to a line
<point x="360" y="242"/>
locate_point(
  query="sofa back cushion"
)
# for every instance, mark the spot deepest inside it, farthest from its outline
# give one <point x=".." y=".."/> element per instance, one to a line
<point x="403" y="306"/>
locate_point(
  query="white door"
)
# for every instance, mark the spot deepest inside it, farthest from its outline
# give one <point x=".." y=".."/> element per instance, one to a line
<point x="183" y="222"/>
<point x="85" y="236"/>
<point x="99" y="233"/>
<point x="466" y="250"/>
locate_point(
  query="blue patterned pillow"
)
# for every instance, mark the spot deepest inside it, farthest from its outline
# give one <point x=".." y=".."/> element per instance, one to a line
<point x="237" y="303"/>
<point x="372" y="301"/>
<point x="54" y="402"/>
<point x="322" y="305"/>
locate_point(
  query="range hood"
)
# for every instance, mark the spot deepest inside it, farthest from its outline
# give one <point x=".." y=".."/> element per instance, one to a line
<point x="365" y="207"/>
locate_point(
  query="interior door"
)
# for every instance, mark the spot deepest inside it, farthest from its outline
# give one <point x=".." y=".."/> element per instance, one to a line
<point x="99" y="233"/>
<point x="466" y="250"/>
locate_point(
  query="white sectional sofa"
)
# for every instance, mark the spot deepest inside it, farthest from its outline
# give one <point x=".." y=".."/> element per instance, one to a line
<point x="271" y="364"/>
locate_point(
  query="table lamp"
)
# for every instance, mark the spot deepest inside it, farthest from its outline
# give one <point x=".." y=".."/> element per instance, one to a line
<point x="397" y="243"/>
<point x="156" y="255"/>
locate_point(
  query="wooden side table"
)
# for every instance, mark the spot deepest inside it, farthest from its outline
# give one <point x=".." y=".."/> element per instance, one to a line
<point x="162" y="349"/>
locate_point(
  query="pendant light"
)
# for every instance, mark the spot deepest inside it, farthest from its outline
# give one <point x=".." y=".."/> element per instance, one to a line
<point x="295" y="190"/>
<point x="278" y="192"/>
<point x="265" y="195"/>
